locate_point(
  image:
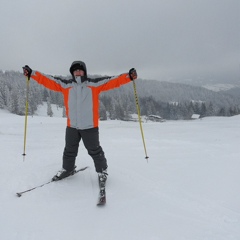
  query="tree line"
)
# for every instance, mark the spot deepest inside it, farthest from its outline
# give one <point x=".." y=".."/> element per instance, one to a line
<point x="120" y="103"/>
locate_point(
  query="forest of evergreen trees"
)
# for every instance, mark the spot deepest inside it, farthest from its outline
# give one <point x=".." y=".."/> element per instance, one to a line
<point x="168" y="100"/>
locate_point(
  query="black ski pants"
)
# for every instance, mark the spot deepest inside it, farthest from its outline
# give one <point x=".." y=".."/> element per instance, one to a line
<point x="90" y="138"/>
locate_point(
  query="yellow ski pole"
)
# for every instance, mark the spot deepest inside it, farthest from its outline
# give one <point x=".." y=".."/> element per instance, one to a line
<point x="139" y="117"/>
<point x="26" y="117"/>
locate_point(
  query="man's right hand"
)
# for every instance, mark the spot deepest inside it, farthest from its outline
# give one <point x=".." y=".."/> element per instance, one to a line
<point x="132" y="74"/>
<point x="27" y="71"/>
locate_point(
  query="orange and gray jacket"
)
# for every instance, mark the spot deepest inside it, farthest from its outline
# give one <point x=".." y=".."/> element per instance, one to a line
<point x="81" y="95"/>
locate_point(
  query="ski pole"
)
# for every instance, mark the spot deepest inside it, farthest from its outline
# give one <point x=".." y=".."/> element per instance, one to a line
<point x="139" y="117"/>
<point x="26" y="117"/>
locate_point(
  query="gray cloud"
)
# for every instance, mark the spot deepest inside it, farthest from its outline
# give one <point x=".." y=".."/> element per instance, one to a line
<point x="162" y="39"/>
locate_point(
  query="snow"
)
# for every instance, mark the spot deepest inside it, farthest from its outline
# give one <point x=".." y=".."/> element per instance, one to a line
<point x="188" y="189"/>
<point x="195" y="116"/>
<point x="219" y="87"/>
<point x="42" y="110"/>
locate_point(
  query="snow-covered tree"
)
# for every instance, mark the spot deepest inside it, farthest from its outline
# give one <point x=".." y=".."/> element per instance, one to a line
<point x="49" y="107"/>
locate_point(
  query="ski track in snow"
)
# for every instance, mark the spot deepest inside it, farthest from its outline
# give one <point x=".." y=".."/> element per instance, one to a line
<point x="187" y="190"/>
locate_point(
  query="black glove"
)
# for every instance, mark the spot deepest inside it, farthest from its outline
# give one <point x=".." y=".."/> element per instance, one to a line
<point x="132" y="73"/>
<point x="27" y="71"/>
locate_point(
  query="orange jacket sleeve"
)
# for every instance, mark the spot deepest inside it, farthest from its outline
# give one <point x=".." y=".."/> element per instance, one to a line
<point x="112" y="82"/>
<point x="52" y="83"/>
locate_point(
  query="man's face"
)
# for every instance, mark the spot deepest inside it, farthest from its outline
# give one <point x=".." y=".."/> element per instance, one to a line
<point x="78" y="73"/>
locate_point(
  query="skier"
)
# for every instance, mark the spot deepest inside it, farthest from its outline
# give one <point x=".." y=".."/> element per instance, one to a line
<point x="81" y="99"/>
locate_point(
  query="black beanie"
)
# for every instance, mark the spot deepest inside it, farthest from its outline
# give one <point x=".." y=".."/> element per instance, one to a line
<point x="78" y="65"/>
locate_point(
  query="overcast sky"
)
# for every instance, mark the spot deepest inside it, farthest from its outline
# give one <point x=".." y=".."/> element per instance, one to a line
<point x="162" y="39"/>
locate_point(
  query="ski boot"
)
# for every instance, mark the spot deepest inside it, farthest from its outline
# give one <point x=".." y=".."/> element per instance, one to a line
<point x="63" y="174"/>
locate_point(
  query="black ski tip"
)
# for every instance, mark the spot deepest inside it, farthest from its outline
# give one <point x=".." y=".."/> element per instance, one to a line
<point x="82" y="169"/>
<point x="101" y="201"/>
<point x="19" y="194"/>
<point x="101" y="204"/>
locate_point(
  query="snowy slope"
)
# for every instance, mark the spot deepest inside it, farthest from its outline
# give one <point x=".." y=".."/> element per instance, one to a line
<point x="188" y="190"/>
<point x="219" y="87"/>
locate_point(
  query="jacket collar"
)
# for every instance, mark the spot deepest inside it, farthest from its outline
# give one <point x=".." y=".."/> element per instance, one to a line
<point x="80" y="79"/>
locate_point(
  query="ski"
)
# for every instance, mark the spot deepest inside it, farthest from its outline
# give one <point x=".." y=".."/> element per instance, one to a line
<point x="102" y="197"/>
<point x="19" y="194"/>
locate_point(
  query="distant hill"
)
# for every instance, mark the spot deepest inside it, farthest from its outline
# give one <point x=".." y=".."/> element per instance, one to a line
<point x="179" y="92"/>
